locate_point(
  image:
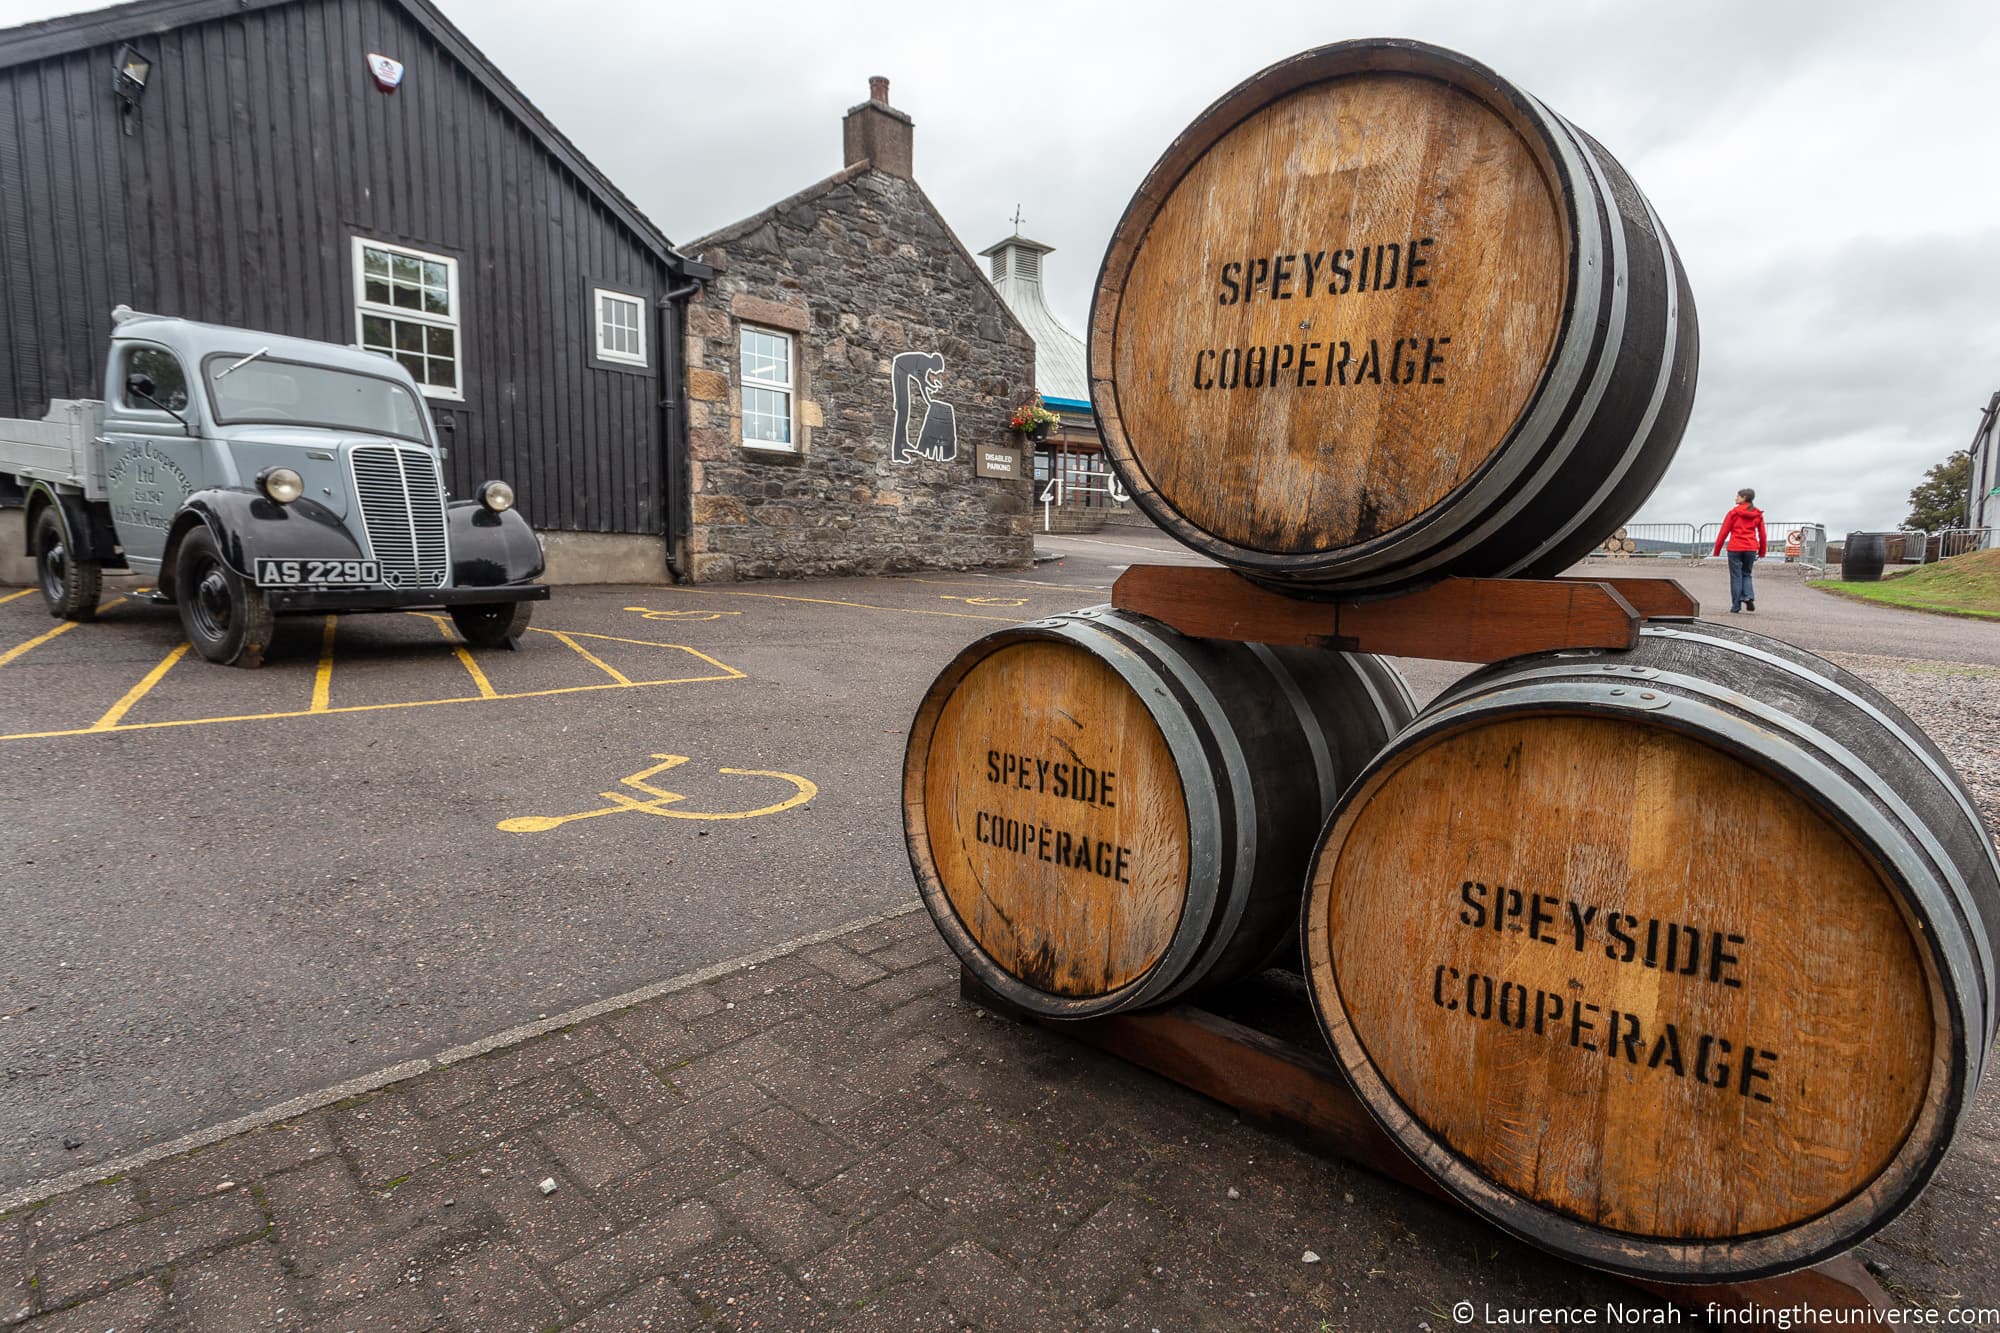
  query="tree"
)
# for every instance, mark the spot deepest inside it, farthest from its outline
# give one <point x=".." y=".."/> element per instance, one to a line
<point x="1939" y="502"/>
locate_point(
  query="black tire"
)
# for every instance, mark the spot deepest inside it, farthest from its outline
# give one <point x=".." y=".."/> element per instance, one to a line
<point x="69" y="586"/>
<point x="493" y="624"/>
<point x="226" y="619"/>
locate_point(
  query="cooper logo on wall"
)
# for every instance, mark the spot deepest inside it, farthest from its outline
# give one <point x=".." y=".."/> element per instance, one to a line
<point x="388" y="73"/>
<point x="924" y="427"/>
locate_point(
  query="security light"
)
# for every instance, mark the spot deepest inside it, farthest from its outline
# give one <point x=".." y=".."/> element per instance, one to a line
<point x="130" y="74"/>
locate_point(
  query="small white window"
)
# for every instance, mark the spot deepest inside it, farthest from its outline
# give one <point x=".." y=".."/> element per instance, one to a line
<point x="767" y="389"/>
<point x="621" y="327"/>
<point x="406" y="306"/>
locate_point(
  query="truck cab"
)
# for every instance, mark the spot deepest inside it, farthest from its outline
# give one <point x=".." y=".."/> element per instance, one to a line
<point x="253" y="476"/>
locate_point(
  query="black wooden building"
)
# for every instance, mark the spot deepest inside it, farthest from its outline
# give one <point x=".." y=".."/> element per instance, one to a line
<point x="353" y="171"/>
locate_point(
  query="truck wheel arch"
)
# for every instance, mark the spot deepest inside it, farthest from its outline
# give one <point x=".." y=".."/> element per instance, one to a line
<point x="41" y="496"/>
<point x="184" y="522"/>
<point x="87" y="528"/>
<point x="38" y="500"/>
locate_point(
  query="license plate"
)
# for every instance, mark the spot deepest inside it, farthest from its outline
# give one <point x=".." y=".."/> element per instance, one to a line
<point x="299" y="573"/>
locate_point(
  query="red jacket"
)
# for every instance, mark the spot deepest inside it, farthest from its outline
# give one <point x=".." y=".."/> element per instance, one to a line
<point x="1742" y="529"/>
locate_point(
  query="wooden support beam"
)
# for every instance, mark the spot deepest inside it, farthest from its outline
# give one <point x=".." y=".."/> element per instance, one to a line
<point x="1296" y="1088"/>
<point x="1456" y="620"/>
<point x="1655" y="599"/>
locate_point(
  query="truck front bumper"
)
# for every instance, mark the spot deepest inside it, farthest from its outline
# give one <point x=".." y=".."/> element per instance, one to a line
<point x="288" y="601"/>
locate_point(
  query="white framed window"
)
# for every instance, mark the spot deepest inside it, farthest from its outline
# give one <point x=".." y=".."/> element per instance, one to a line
<point x="621" y="327"/>
<point x="406" y="306"/>
<point x="768" y="387"/>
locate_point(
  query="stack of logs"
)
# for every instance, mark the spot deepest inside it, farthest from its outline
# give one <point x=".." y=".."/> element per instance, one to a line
<point x="1618" y="544"/>
<point x="1675" y="957"/>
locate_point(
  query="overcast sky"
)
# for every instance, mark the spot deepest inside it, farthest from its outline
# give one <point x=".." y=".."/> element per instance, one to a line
<point x="1827" y="169"/>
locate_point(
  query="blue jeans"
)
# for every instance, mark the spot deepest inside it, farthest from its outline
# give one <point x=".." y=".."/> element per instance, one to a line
<point x="1740" y="590"/>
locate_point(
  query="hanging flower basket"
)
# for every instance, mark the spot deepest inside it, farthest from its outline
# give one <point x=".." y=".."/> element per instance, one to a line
<point x="1033" y="420"/>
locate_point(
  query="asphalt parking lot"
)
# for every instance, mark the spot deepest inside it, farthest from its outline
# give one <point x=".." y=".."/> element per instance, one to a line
<point x="231" y="888"/>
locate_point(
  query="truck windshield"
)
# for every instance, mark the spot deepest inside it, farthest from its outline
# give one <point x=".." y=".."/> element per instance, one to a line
<point x="293" y="393"/>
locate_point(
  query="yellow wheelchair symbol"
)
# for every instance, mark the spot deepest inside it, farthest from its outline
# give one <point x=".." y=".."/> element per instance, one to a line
<point x="802" y="791"/>
<point x="984" y="601"/>
<point x="648" y="614"/>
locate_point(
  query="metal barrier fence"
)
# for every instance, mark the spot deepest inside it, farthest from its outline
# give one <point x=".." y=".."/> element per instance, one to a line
<point x="1914" y="546"/>
<point x="1663" y="538"/>
<point x="1811" y="539"/>
<point x="1957" y="541"/>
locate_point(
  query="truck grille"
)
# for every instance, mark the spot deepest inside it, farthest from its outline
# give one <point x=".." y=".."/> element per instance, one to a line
<point x="402" y="507"/>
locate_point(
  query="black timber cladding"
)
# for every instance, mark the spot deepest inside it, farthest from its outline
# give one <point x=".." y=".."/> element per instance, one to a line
<point x="261" y="147"/>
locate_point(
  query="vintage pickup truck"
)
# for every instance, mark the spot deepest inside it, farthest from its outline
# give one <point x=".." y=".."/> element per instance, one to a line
<point x="254" y="476"/>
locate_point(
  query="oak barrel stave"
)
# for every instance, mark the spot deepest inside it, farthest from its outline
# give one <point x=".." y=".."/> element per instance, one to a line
<point x="1601" y="405"/>
<point x="1223" y="757"/>
<point x="1870" y="979"/>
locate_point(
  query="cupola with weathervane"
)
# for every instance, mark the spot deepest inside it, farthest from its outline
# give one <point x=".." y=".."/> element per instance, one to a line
<point x="1061" y="375"/>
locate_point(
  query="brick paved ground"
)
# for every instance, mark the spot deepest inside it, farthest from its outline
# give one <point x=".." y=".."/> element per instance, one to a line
<point x="831" y="1139"/>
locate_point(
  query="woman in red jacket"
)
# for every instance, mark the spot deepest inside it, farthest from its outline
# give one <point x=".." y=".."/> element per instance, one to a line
<point x="1743" y="532"/>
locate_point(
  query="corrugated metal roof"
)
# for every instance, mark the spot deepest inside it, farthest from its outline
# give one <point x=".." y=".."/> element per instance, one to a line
<point x="1016" y="273"/>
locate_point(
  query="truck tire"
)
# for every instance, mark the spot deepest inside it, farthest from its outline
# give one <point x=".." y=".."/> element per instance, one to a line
<point x="70" y="586"/>
<point x="494" y="624"/>
<point x="226" y="619"/>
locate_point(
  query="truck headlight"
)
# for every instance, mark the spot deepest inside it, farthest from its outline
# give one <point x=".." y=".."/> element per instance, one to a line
<point x="281" y="484"/>
<point x="496" y="496"/>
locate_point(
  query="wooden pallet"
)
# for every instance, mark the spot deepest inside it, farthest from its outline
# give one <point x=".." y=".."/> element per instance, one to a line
<point x="1264" y="1058"/>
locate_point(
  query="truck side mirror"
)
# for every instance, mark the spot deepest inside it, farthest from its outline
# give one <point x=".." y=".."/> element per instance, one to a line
<point x="140" y="385"/>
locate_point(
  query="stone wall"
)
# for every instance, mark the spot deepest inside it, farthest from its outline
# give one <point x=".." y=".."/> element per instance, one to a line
<point x="858" y="269"/>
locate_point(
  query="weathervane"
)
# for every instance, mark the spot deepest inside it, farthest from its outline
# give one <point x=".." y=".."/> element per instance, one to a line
<point x="1017" y="219"/>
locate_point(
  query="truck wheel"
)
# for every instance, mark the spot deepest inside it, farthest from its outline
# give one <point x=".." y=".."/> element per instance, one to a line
<point x="493" y="625"/>
<point x="227" y="620"/>
<point x="70" y="586"/>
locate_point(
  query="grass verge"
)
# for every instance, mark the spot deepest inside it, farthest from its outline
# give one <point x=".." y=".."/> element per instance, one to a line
<point x="1965" y="585"/>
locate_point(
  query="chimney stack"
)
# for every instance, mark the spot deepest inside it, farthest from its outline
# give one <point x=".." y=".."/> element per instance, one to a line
<point x="876" y="133"/>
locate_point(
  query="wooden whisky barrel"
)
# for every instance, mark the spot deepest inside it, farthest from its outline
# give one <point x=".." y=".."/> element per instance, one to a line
<point x="1677" y="961"/>
<point x="1104" y="814"/>
<point x="1379" y="316"/>
<point x="1863" y="556"/>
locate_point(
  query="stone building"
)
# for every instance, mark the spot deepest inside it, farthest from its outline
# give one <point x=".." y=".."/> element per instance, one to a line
<point x="850" y="376"/>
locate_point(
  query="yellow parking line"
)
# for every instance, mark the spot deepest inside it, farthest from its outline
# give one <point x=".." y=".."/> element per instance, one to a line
<point x="486" y="690"/>
<point x="859" y="606"/>
<point x="40" y="639"/>
<point x="323" y="677"/>
<point x="731" y="673"/>
<point x="35" y="642"/>
<point x="116" y="713"/>
<point x="112" y="722"/>
<point x="17" y="596"/>
<point x="591" y="657"/>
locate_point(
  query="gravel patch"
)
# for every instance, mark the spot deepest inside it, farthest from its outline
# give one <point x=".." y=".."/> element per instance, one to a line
<point x="1958" y="706"/>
